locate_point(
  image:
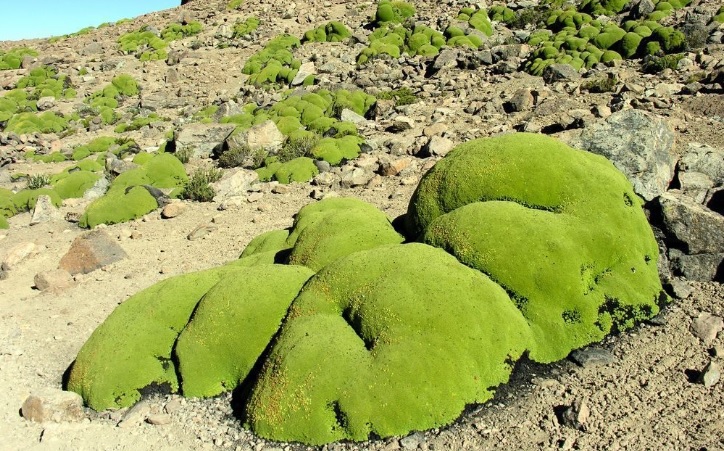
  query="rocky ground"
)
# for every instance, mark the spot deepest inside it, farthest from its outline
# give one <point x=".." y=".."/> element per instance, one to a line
<point x="655" y="387"/>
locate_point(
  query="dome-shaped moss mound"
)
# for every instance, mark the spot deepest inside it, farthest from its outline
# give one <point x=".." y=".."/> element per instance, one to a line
<point x="531" y="246"/>
<point x="371" y="347"/>
<point x="560" y="229"/>
<point x="336" y="227"/>
<point x="232" y="326"/>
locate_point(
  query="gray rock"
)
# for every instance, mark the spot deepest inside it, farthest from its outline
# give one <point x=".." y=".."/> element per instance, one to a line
<point x="710" y="375"/>
<point x="53" y="280"/>
<point x="642" y="8"/>
<point x="696" y="185"/>
<point x="447" y="59"/>
<point x="697" y="267"/>
<point x="159" y="419"/>
<point x="17" y="254"/>
<point x="155" y="101"/>
<point x="356" y="177"/>
<point x="136" y="415"/>
<point x="46" y="103"/>
<point x="94" y="48"/>
<point x="560" y="72"/>
<point x="698" y="229"/>
<point x="98" y="189"/>
<point x="224" y="31"/>
<point x="265" y="136"/>
<point x="44" y="211"/>
<point x="116" y="166"/>
<point x="401" y="124"/>
<point x="53" y="405"/>
<point x="234" y="182"/>
<point x="706" y="327"/>
<point x="200" y="231"/>
<point x="438" y="146"/>
<point x="202" y="139"/>
<point x="590" y="357"/>
<point x="522" y="100"/>
<point x="639" y="144"/>
<point x="704" y="159"/>
<point x="90" y="251"/>
<point x="576" y="415"/>
<point x="681" y="288"/>
<point x="412" y="441"/>
<point x="305" y="70"/>
<point x="351" y="116"/>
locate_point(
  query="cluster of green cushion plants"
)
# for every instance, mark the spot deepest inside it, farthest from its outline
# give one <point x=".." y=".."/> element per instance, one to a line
<point x="13" y="58"/>
<point x="394" y="35"/>
<point x="131" y="195"/>
<point x="330" y="332"/>
<point x="149" y="46"/>
<point x="575" y="37"/>
<point x="312" y="117"/>
<point x="18" y="107"/>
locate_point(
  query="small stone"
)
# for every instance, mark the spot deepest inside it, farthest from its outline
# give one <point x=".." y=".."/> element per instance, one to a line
<point x="393" y="167"/>
<point x="306" y="69"/>
<point x="438" y="128"/>
<point x="45" y="103"/>
<point x="681" y="288"/>
<point x="173" y="405"/>
<point x="255" y="197"/>
<point x="160" y="419"/>
<point x="54" y="405"/>
<point x="412" y="441"/>
<point x="576" y="415"/>
<point x="401" y="124"/>
<point x="591" y="357"/>
<point x="710" y="375"/>
<point x="351" y="116"/>
<point x="17" y="254"/>
<point x="44" y="211"/>
<point x="280" y="189"/>
<point x="173" y="210"/>
<point x="201" y="231"/>
<point x="135" y="415"/>
<point x="439" y="146"/>
<point x="706" y="327"/>
<point x="53" y="280"/>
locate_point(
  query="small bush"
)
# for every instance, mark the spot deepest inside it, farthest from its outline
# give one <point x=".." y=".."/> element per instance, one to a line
<point x="655" y="64"/>
<point x="297" y="147"/>
<point x="402" y="96"/>
<point x="198" y="188"/>
<point x="38" y="181"/>
<point x="245" y="27"/>
<point x="242" y="156"/>
<point x="601" y="84"/>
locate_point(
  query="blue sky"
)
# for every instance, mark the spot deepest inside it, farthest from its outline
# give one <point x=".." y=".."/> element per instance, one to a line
<point x="25" y="19"/>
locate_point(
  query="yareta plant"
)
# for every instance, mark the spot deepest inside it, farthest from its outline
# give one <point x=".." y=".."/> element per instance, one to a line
<point x="340" y="328"/>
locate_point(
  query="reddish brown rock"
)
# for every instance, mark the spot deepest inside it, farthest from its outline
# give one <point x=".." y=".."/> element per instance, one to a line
<point x="91" y="251"/>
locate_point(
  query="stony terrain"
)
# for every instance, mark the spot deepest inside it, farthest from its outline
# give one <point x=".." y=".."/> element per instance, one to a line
<point x="655" y="387"/>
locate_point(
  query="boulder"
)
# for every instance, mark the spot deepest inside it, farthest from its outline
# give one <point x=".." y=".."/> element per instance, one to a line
<point x="90" y="251"/>
<point x="202" y="140"/>
<point x="639" y="144"/>
<point x="53" y="405"/>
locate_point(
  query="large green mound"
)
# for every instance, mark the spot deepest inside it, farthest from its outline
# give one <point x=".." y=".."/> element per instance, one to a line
<point x="560" y="229"/>
<point x="370" y="347"/>
<point x="337" y="331"/>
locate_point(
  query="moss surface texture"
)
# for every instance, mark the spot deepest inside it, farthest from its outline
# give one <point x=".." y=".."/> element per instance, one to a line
<point x="340" y="328"/>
